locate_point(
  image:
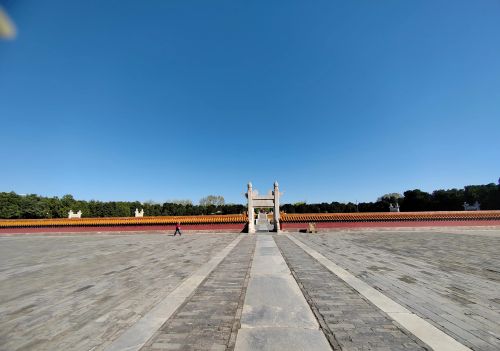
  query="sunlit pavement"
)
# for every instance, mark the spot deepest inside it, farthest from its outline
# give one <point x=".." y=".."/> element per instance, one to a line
<point x="240" y="291"/>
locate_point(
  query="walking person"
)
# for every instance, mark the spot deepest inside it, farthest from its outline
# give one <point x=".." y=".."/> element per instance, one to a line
<point x="178" y="229"/>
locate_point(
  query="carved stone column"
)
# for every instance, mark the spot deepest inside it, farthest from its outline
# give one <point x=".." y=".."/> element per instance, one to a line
<point x="276" y="218"/>
<point x="251" y="220"/>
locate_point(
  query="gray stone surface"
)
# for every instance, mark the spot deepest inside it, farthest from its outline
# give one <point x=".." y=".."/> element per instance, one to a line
<point x="348" y="320"/>
<point x="284" y="339"/>
<point x="137" y="335"/>
<point x="275" y="312"/>
<point x="262" y="224"/>
<point x="81" y="292"/>
<point x="273" y="298"/>
<point x="276" y="302"/>
<point x="451" y="278"/>
<point x="426" y="332"/>
<point x="209" y="319"/>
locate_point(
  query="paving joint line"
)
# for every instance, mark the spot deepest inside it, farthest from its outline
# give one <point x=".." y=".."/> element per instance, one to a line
<point x="138" y="334"/>
<point x="472" y="324"/>
<point x="236" y="321"/>
<point x="241" y="302"/>
<point x="323" y="326"/>
<point x="423" y="330"/>
<point x="329" y="332"/>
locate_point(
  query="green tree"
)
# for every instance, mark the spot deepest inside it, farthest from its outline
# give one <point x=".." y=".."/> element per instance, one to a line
<point x="447" y="200"/>
<point x="9" y="205"/>
<point x="33" y="206"/>
<point x="416" y="200"/>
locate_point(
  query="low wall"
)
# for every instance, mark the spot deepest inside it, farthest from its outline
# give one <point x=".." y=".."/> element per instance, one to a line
<point x="209" y="223"/>
<point x="325" y="226"/>
<point x="170" y="228"/>
<point x="237" y="223"/>
<point x="124" y="221"/>
<point x="326" y="221"/>
<point x="390" y="216"/>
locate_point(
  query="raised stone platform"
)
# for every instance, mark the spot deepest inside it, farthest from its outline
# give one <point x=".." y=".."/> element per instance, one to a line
<point x="412" y="289"/>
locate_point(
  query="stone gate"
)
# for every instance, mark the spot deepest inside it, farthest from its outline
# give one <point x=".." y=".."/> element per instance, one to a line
<point x="270" y="200"/>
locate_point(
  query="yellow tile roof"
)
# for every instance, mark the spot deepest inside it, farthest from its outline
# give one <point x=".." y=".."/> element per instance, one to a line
<point x="123" y="221"/>
<point x="390" y="216"/>
<point x="242" y="218"/>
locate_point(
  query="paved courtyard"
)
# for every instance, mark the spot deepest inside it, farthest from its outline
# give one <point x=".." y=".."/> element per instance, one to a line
<point x="408" y="289"/>
<point x="81" y="292"/>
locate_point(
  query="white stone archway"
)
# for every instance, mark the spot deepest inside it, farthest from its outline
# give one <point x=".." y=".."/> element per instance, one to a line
<point x="270" y="200"/>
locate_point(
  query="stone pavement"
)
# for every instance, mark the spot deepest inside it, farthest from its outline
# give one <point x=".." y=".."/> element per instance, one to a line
<point x="348" y="320"/>
<point x="451" y="278"/>
<point x="209" y="320"/>
<point x="81" y="292"/>
<point x="276" y="316"/>
<point x="84" y="292"/>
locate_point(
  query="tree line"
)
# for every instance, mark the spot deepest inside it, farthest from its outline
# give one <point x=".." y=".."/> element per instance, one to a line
<point x="14" y="206"/>
<point x="412" y="200"/>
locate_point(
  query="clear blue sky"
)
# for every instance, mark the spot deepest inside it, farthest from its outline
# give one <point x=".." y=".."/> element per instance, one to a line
<point x="337" y="100"/>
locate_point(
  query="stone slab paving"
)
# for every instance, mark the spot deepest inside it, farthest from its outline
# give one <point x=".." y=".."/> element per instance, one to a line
<point x="275" y="314"/>
<point x="209" y="319"/>
<point x="450" y="278"/>
<point x="348" y="320"/>
<point x="81" y="292"/>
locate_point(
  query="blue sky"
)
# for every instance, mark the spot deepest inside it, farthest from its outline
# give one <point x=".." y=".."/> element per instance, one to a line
<point x="338" y="100"/>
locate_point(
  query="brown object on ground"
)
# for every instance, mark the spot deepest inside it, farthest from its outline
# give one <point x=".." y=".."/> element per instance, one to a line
<point x="312" y="228"/>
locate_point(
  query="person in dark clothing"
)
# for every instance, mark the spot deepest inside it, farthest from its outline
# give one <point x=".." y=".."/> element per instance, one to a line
<point x="178" y="229"/>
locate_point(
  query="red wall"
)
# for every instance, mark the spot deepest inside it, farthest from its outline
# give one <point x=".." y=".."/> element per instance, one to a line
<point x="331" y="225"/>
<point x="219" y="227"/>
<point x="239" y="227"/>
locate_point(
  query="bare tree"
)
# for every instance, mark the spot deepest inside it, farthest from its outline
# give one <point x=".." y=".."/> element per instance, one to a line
<point x="183" y="202"/>
<point x="390" y="197"/>
<point x="215" y="200"/>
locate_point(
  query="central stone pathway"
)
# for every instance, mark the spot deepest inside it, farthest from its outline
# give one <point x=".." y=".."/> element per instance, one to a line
<point x="276" y="316"/>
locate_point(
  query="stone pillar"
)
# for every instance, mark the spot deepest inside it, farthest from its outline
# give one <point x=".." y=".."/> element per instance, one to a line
<point x="276" y="218"/>
<point x="251" y="220"/>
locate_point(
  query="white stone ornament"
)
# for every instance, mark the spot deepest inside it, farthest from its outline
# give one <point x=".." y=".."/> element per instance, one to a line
<point x="475" y="207"/>
<point x="72" y="214"/>
<point x="394" y="208"/>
